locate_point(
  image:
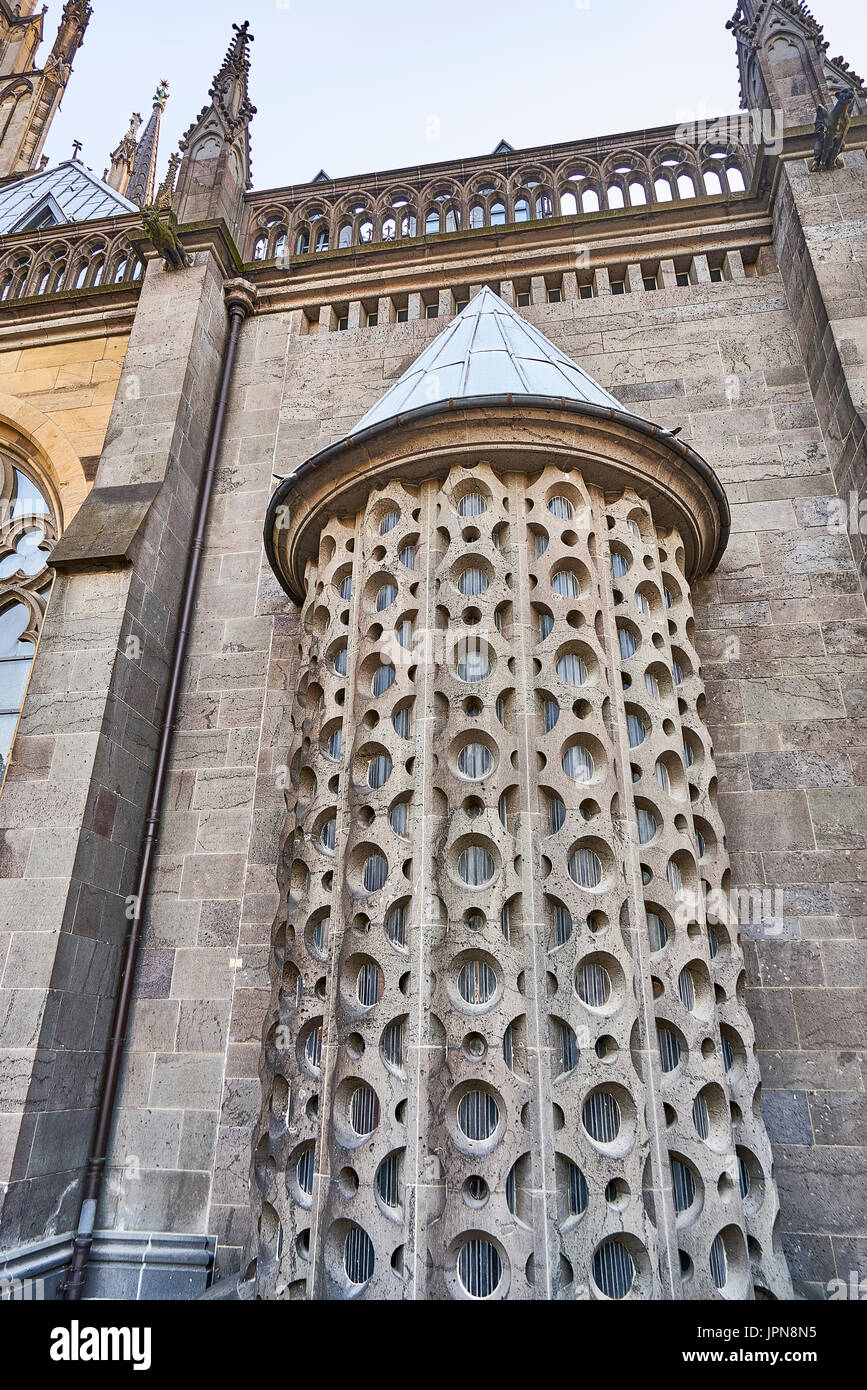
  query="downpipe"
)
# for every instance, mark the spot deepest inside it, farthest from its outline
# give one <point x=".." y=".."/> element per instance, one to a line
<point x="240" y="301"/>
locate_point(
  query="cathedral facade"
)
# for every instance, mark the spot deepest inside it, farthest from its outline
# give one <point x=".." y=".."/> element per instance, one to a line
<point x="433" y="705"/>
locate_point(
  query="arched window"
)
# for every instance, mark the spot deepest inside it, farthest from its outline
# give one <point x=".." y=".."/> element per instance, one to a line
<point x="409" y="224"/>
<point x="27" y="532"/>
<point x="51" y="273"/>
<point x="302" y="242"/>
<point x="637" y="194"/>
<point x="712" y="181"/>
<point x="522" y="210"/>
<point x="260" y="250"/>
<point x="544" y="206"/>
<point x="589" y="200"/>
<point x="735" y="179"/>
<point x="685" y="186"/>
<point x="365" y="231"/>
<point x="322" y="239"/>
<point x="344" y="236"/>
<point x="477" y="215"/>
<point x="389" y="229"/>
<point x="453" y="220"/>
<point x="12" y="283"/>
<point x="432" y="222"/>
<point x="615" y="196"/>
<point x="663" y="190"/>
<point x="498" y="215"/>
<point x="568" y="205"/>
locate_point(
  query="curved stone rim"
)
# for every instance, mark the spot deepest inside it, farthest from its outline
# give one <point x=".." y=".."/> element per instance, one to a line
<point x="680" y="475"/>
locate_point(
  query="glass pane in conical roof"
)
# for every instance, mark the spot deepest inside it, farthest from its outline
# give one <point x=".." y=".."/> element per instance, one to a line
<point x="488" y="350"/>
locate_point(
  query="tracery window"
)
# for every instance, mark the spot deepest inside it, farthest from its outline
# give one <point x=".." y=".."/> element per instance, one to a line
<point x="28" y="529"/>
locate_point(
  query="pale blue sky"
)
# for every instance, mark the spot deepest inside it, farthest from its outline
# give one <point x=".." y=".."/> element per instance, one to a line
<point x="353" y="87"/>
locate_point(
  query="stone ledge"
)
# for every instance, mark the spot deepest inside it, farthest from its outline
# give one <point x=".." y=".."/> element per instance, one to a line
<point x="103" y="532"/>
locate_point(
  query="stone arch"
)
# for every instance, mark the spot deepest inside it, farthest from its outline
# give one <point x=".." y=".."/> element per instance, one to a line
<point x="27" y="430"/>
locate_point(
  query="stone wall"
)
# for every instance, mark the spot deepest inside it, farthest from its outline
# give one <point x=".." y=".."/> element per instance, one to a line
<point x="781" y="632"/>
<point x="72" y="383"/>
<point x="780" y="629"/>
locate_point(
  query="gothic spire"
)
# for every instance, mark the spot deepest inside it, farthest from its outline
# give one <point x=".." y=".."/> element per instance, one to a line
<point x="35" y="105"/>
<point x="216" y="166"/>
<point x="143" y="181"/>
<point x="123" y="158"/>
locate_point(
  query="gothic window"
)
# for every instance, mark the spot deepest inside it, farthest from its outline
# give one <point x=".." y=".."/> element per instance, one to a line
<point x="260" y="250"/>
<point x="477" y="215"/>
<point x="735" y="179"/>
<point x="51" y="272"/>
<point x="432" y="222"/>
<point x="302" y="241"/>
<point x="615" y="196"/>
<point x="13" y="280"/>
<point x="322" y="239"/>
<point x="589" y="200"/>
<point x="498" y="214"/>
<point x="522" y="210"/>
<point x="344" y="236"/>
<point x="637" y="194"/>
<point x="685" y="186"/>
<point x="27" y="531"/>
<point x="568" y="205"/>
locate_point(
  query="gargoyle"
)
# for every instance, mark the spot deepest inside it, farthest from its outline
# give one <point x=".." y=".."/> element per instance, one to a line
<point x="830" y="131"/>
<point x="162" y="232"/>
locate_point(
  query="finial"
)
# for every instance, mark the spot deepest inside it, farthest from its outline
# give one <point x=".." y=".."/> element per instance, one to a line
<point x="161" y="95"/>
<point x="76" y="150"/>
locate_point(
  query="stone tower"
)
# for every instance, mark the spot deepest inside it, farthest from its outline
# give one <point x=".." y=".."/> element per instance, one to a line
<point x="508" y="1052"/>
<point x="30" y="96"/>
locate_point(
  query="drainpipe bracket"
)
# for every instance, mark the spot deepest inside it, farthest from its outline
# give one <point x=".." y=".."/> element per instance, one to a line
<point x="240" y="294"/>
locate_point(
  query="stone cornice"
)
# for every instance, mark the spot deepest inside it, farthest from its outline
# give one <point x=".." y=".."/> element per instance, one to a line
<point x="613" y="449"/>
<point x="76" y="314"/>
<point x="626" y="235"/>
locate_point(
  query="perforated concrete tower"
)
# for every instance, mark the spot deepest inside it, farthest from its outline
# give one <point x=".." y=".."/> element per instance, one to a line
<point x="508" y="1054"/>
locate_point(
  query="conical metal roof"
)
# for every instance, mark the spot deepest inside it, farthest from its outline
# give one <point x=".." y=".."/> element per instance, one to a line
<point x="488" y="350"/>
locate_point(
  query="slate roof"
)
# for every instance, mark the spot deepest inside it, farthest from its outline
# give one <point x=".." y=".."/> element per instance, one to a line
<point x="77" y="192"/>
